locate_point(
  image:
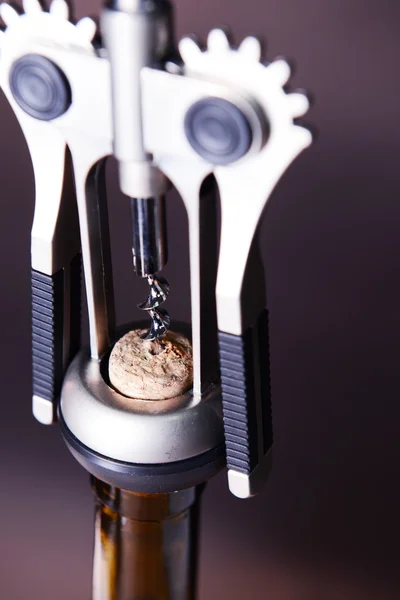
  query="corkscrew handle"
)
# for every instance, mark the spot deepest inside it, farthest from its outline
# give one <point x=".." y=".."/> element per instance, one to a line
<point x="56" y="323"/>
<point x="246" y="387"/>
<point x="56" y="275"/>
<point x="246" y="394"/>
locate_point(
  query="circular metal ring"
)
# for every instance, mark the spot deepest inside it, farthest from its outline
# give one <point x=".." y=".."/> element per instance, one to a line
<point x="137" y="431"/>
<point x="147" y="479"/>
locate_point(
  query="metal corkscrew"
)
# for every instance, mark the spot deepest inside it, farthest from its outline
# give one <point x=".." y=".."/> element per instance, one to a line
<point x="159" y="290"/>
<point x="218" y="125"/>
<point x="150" y="253"/>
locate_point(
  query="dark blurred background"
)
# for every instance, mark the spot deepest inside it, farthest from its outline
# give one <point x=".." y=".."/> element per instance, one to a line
<point x="327" y="525"/>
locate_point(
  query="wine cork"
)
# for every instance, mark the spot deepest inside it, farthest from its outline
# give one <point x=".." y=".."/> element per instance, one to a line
<point x="157" y="370"/>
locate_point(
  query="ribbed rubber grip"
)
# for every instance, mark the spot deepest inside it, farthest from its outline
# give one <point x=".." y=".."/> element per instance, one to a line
<point x="243" y="379"/>
<point x="49" y="303"/>
<point x="47" y="334"/>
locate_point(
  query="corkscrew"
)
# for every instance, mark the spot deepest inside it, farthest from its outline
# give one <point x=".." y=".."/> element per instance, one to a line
<point x="218" y="125"/>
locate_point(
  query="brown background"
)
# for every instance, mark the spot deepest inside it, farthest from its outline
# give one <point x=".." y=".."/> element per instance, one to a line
<point x="327" y="525"/>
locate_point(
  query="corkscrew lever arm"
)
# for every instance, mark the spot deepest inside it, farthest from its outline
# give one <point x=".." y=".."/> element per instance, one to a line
<point x="61" y="98"/>
<point x="55" y="245"/>
<point x="245" y="189"/>
<point x="227" y="113"/>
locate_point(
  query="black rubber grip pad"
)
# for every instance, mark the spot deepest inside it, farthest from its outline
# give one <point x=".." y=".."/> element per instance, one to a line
<point x="238" y="377"/>
<point x="238" y="395"/>
<point x="48" y="328"/>
<point x="47" y="334"/>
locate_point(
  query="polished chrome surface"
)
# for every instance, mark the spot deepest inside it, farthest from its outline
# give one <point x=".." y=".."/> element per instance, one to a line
<point x="161" y="321"/>
<point x="159" y="292"/>
<point x="126" y="102"/>
<point x="258" y="90"/>
<point x="150" y="254"/>
<point x="137" y="431"/>
<point x="149" y="235"/>
<point x="245" y="186"/>
<point x="136" y="34"/>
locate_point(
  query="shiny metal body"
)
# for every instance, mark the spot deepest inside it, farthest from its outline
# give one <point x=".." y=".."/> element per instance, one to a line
<point x="130" y="99"/>
<point x="150" y="255"/>
<point x="137" y="431"/>
<point x="86" y="131"/>
<point x="218" y="126"/>
<point x="149" y="239"/>
<point x="136" y="34"/>
<point x="244" y="186"/>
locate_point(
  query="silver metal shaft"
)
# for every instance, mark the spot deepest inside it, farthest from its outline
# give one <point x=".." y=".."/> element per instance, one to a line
<point x="150" y="254"/>
<point x="149" y="235"/>
<point x="137" y="34"/>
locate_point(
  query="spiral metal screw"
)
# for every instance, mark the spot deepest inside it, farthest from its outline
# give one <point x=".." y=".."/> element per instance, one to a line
<point x="159" y="292"/>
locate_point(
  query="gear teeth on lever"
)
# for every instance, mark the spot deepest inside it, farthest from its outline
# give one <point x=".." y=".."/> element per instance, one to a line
<point x="161" y="321"/>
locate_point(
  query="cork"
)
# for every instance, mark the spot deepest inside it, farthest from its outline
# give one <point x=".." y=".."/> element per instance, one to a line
<point x="157" y="370"/>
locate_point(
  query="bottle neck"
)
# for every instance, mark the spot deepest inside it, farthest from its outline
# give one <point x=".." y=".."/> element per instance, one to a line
<point x="145" y="545"/>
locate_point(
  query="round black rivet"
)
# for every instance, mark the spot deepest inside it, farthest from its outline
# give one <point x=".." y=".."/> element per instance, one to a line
<point x="218" y="131"/>
<point x="39" y="87"/>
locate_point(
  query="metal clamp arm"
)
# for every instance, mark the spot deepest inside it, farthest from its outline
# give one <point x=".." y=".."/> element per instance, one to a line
<point x="51" y="75"/>
<point x="56" y="278"/>
<point x="56" y="265"/>
<point x="228" y="114"/>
